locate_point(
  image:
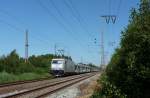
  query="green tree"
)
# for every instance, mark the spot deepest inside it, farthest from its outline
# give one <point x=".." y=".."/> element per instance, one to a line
<point x="11" y="62"/>
<point x="129" y="69"/>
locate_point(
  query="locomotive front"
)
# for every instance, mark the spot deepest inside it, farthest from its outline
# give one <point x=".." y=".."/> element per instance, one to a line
<point x="57" y="67"/>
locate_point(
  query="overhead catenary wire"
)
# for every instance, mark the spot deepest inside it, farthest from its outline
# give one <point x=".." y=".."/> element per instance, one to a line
<point x="76" y="17"/>
<point x="80" y="17"/>
<point x="20" y="23"/>
<point x="20" y="30"/>
<point x="59" y="22"/>
<point x="13" y="17"/>
<point x="12" y="26"/>
<point x="115" y="12"/>
<point x="118" y="8"/>
<point x="109" y="7"/>
<point x="61" y="14"/>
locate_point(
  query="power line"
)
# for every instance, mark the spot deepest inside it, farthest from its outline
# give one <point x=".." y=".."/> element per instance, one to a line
<point x="79" y="16"/>
<point x="60" y="23"/>
<point x="57" y="20"/>
<point x="60" y="13"/>
<point x="17" y="20"/>
<point x="119" y="7"/>
<point x="12" y="26"/>
<point x="109" y="7"/>
<point x="13" y="17"/>
<point x="21" y="30"/>
<point x="76" y="17"/>
<point x="102" y="50"/>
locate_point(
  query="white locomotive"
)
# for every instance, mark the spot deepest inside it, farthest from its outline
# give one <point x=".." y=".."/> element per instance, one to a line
<point x="63" y="66"/>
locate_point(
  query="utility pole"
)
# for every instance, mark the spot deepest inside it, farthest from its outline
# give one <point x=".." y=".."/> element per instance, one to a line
<point x="26" y="46"/>
<point x="55" y="49"/>
<point x="102" y="50"/>
<point x="108" y="19"/>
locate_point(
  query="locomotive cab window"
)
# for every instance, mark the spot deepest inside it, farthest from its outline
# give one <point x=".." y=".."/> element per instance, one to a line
<point x="57" y="62"/>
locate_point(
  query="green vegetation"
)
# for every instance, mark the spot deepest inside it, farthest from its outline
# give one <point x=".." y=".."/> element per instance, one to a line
<point x="14" y="68"/>
<point x="128" y="73"/>
<point x="14" y="64"/>
<point x="7" y="77"/>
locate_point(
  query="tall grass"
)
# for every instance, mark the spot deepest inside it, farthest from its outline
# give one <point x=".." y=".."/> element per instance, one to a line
<point x="8" y="77"/>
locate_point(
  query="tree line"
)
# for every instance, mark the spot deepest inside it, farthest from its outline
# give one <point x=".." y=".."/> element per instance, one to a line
<point x="13" y="63"/>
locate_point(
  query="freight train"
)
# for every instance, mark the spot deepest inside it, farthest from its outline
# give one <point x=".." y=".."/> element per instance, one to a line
<point x="63" y="66"/>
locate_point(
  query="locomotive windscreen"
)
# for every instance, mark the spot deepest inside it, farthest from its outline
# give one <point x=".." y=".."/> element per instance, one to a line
<point x="57" y="61"/>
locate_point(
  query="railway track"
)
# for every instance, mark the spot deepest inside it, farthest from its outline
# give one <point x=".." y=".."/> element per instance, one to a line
<point x="13" y="87"/>
<point x="22" y="82"/>
<point x="44" y="90"/>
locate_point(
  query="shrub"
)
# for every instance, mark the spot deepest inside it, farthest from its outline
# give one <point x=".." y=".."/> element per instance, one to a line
<point x="128" y="73"/>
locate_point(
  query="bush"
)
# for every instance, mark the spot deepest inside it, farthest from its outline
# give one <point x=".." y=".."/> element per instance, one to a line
<point x="6" y="77"/>
<point x="128" y="73"/>
<point x="107" y="90"/>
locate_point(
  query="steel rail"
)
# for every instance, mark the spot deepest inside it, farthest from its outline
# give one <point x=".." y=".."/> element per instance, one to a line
<point x="33" y="90"/>
<point x="23" y="82"/>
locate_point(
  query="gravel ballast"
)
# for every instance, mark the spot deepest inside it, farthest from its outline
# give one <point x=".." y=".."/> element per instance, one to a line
<point x="83" y="89"/>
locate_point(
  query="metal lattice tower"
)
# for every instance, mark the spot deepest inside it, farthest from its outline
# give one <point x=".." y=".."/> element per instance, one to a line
<point x="26" y="46"/>
<point x="108" y="19"/>
<point x="102" y="50"/>
<point x="55" y="49"/>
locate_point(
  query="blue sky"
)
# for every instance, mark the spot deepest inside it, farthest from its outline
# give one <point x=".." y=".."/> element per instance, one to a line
<point x="70" y="24"/>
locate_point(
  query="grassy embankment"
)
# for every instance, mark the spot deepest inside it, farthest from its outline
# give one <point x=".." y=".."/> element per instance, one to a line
<point x="7" y="77"/>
